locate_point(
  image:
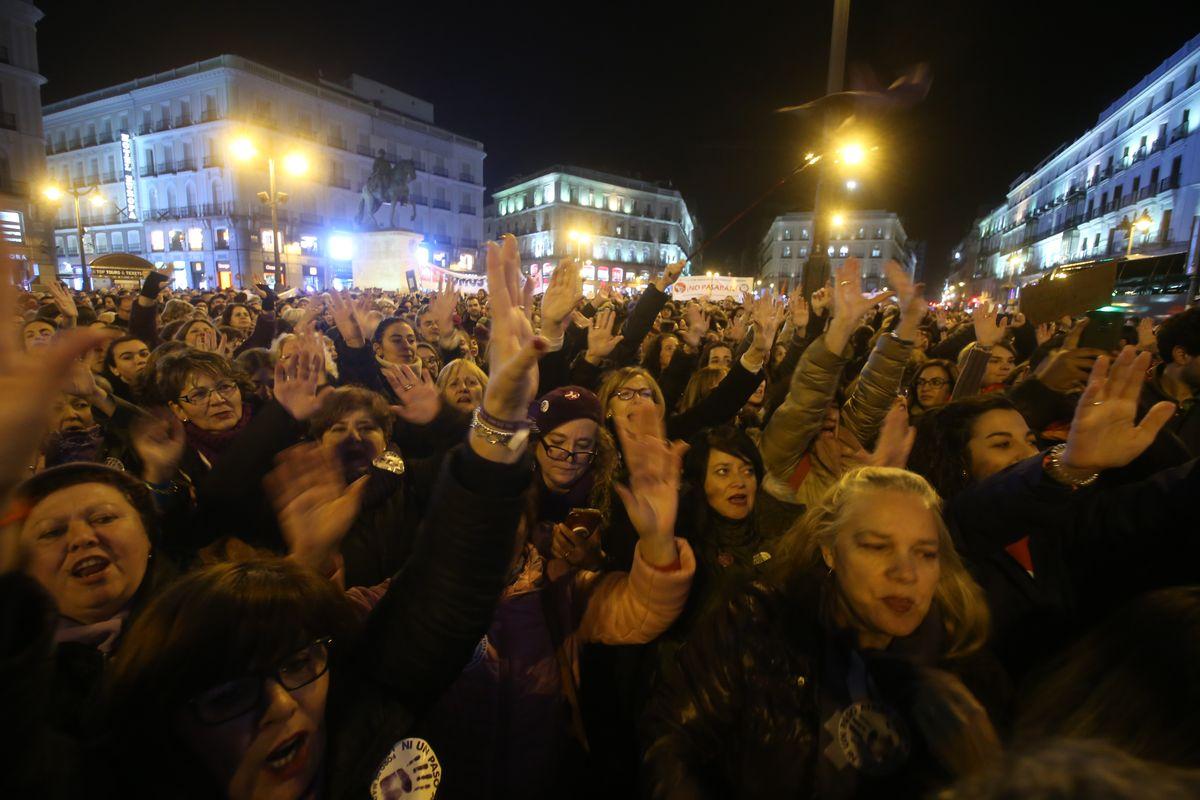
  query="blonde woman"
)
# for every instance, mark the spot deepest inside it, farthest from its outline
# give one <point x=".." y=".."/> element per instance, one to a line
<point x="846" y="674"/>
<point x="461" y="384"/>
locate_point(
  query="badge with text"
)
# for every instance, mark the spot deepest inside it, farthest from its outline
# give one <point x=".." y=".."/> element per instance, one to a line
<point x="869" y="737"/>
<point x="409" y="772"/>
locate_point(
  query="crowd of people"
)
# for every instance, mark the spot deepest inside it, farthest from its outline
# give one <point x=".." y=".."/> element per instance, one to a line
<point x="519" y="544"/>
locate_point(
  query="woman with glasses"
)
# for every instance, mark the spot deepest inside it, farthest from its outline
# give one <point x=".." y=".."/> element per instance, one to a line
<point x="931" y="386"/>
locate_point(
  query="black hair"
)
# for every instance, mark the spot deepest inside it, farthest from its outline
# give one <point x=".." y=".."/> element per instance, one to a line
<point x="653" y="357"/>
<point x="1180" y="330"/>
<point x="384" y="324"/>
<point x="180" y="333"/>
<point x="218" y="623"/>
<point x="708" y="348"/>
<point x="948" y="366"/>
<point x="109" y="359"/>
<point x="727" y="439"/>
<point x="939" y="453"/>
<point x="42" y="485"/>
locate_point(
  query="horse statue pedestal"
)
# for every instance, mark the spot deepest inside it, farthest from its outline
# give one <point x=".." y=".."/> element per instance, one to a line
<point x="381" y="258"/>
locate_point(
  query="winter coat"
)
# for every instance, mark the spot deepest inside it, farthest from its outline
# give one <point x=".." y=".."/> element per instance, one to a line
<point x="767" y="701"/>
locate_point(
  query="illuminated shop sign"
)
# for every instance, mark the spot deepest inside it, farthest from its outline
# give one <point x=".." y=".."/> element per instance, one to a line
<point x="131" y="207"/>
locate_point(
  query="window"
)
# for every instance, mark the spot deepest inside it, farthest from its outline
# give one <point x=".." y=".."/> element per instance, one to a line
<point x="803" y="252"/>
<point x="830" y="251"/>
<point x="861" y="233"/>
<point x="843" y="251"/>
<point x="157" y="242"/>
<point x="1192" y="77"/>
<point x="1169" y="92"/>
<point x="804" y="234"/>
<point x="135" y="240"/>
<point x="787" y="251"/>
<point x="876" y="252"/>
<point x="176" y="240"/>
<point x="195" y="238"/>
<point x="787" y="234"/>
<point x="221" y="238"/>
<point x="879" y="233"/>
<point x="1137" y="183"/>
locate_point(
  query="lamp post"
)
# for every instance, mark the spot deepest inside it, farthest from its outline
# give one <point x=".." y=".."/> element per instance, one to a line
<point x="1143" y="223"/>
<point x="296" y="164"/>
<point x="54" y="194"/>
<point x="580" y="239"/>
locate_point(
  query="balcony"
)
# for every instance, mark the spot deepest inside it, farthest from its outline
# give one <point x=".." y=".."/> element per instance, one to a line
<point x="338" y="181"/>
<point x="1180" y="132"/>
<point x="213" y="162"/>
<point x="209" y="115"/>
<point x="88" y="141"/>
<point x="467" y="177"/>
<point x="162" y="125"/>
<point x="1159" y="144"/>
<point x="468" y="210"/>
<point x="418" y="200"/>
<point x="444" y="205"/>
<point x="1168" y="183"/>
<point x="335" y="141"/>
<point x="144" y="129"/>
<point x="307" y="218"/>
<point x="440" y="171"/>
<point x="182" y="121"/>
<point x="8" y="120"/>
<point x="364" y="150"/>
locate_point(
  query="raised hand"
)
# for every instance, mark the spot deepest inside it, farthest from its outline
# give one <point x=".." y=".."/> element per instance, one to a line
<point x="767" y="315"/>
<point x="798" y="311"/>
<point x="1103" y="433"/>
<point x="849" y="304"/>
<point x="601" y="339"/>
<point x="314" y="506"/>
<point x="1146" y="338"/>
<point x="740" y="326"/>
<point x="62" y="299"/>
<point x="670" y="274"/>
<point x="651" y="497"/>
<point x="1044" y="333"/>
<point x="159" y="442"/>
<point x="895" y="440"/>
<point x="441" y="308"/>
<point x="911" y="298"/>
<point x="297" y="380"/>
<point x="697" y="325"/>
<point x="561" y="297"/>
<point x="344" y="317"/>
<point x="419" y="398"/>
<point x="988" y="330"/>
<point x="821" y="300"/>
<point x="513" y="350"/>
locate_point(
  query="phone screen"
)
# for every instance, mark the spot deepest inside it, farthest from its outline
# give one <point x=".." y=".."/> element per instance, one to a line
<point x="1103" y="331"/>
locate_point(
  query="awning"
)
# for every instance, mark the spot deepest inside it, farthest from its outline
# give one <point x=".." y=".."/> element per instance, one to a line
<point x="121" y="261"/>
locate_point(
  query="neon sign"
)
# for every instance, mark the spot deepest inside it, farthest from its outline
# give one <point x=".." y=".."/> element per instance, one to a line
<point x="131" y="209"/>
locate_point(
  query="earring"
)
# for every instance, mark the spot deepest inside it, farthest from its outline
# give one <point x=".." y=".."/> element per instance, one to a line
<point x="830" y="573"/>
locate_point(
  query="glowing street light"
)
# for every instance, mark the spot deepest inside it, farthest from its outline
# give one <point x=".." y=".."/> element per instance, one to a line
<point x="853" y="153"/>
<point x="98" y="200"/>
<point x="837" y="220"/>
<point x="580" y="238"/>
<point x="1143" y="223"/>
<point x="294" y="163"/>
<point x="851" y="185"/>
<point x="54" y="194"/>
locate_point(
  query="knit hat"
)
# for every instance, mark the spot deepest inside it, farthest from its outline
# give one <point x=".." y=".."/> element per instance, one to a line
<point x="563" y="405"/>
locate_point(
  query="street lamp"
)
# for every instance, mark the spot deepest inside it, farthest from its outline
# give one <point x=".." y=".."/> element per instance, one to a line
<point x="54" y="194"/>
<point x="853" y="154"/>
<point x="244" y="149"/>
<point x="1143" y="223"/>
<point x="580" y="238"/>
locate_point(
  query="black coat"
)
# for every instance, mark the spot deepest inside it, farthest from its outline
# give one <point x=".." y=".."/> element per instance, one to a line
<point x="740" y="713"/>
<point x="1092" y="550"/>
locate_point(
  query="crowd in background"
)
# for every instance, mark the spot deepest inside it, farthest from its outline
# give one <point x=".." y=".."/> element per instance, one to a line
<point x="519" y="543"/>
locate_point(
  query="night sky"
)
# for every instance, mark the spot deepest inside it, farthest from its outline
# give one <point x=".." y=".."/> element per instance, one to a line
<point x="675" y="92"/>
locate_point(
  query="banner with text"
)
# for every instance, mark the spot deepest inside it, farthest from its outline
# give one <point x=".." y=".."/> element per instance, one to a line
<point x="715" y="288"/>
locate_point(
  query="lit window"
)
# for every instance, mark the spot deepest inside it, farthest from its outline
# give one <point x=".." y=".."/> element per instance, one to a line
<point x="537" y="197"/>
<point x="564" y="193"/>
<point x="195" y="238"/>
<point x="787" y="234"/>
<point x="803" y="252"/>
<point x="804" y="233"/>
<point x="267" y="237"/>
<point x="787" y="251"/>
<point x="614" y="203"/>
<point x="221" y="237"/>
<point x="308" y="245"/>
<point x="157" y="241"/>
<point x="598" y="202"/>
<point x="520" y="202"/>
<point x="831" y="251"/>
<point x="876" y="252"/>
<point x="844" y="251"/>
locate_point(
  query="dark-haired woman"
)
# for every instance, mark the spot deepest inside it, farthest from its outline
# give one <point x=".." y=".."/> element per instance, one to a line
<point x="931" y="386"/>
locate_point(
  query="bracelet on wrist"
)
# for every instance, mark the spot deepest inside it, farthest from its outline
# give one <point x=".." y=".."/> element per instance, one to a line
<point x="1053" y="465"/>
<point x="511" y="438"/>
<point x="503" y="425"/>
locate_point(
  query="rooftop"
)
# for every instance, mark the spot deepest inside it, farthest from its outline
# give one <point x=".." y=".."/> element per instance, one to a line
<point x="654" y="187"/>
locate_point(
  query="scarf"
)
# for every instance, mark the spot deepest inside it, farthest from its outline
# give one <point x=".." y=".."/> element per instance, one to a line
<point x="211" y="444"/>
<point x="100" y="635"/>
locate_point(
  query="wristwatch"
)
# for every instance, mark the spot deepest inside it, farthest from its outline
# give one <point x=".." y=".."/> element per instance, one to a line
<point x="1054" y="467"/>
<point x="493" y="431"/>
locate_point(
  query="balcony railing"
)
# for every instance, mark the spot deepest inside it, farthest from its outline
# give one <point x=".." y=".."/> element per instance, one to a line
<point x="8" y="120"/>
<point x="1168" y="183"/>
<point x="209" y="115"/>
<point x="441" y="171"/>
<point x="213" y="162"/>
<point x="363" y="150"/>
<point x="162" y="125"/>
<point x="442" y="204"/>
<point x="88" y="141"/>
<point x="144" y="129"/>
<point x="336" y="141"/>
<point x="467" y="177"/>
<point x="183" y="120"/>
<point x="468" y="210"/>
<point x="1180" y="132"/>
<point x="419" y="200"/>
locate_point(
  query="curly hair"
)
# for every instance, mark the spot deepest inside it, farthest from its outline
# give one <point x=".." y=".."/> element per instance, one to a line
<point x="939" y="452"/>
<point x="959" y="598"/>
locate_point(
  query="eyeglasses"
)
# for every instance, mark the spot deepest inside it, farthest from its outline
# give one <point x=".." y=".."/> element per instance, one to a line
<point x="933" y="383"/>
<point x="226" y="389"/>
<point x="629" y="394"/>
<point x="231" y="700"/>
<point x="563" y="454"/>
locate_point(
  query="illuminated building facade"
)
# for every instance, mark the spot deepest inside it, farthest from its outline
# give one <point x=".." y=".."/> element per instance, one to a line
<point x="22" y="160"/>
<point x="873" y="237"/>
<point x="156" y="149"/>
<point x="623" y="230"/>
<point x="1141" y="161"/>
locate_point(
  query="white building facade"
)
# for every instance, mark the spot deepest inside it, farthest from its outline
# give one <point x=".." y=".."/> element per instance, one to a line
<point x="623" y="230"/>
<point x="22" y="159"/>
<point x="1140" y="161"/>
<point x="156" y="152"/>
<point x="873" y="237"/>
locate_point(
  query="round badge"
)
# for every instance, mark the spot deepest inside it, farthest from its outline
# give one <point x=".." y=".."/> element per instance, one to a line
<point x="545" y="406"/>
<point x="410" y="771"/>
<point x="872" y="738"/>
<point x="725" y="559"/>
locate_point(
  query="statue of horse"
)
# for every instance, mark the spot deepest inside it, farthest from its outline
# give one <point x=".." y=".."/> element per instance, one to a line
<point x="388" y="184"/>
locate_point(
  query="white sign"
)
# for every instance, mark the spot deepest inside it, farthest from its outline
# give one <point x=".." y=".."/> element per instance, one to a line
<point x="127" y="167"/>
<point x="716" y="288"/>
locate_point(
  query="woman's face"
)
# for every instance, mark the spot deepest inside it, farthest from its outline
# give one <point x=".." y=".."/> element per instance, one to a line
<point x="640" y="394"/>
<point x="886" y="562"/>
<point x="71" y="413"/>
<point x="1001" y="363"/>
<point x="38" y="334"/>
<point x="429" y="357"/>
<point x="933" y="387"/>
<point x="210" y="402"/>
<point x="999" y="439"/>
<point x="240" y="318"/>
<point x="720" y="357"/>
<point x="474" y="348"/>
<point x="669" y="345"/>
<point x="358" y="425"/>
<point x="202" y="336"/>
<point x="398" y="345"/>
<point x="730" y="485"/>
<point x="129" y="359"/>
<point x="463" y="390"/>
<point x="576" y="436"/>
<point x="273" y="752"/>
<point x="87" y="546"/>
<point x="756" y="399"/>
<point x="778" y="352"/>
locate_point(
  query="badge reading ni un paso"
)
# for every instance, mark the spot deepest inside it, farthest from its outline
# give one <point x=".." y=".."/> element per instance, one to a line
<point x="409" y="772"/>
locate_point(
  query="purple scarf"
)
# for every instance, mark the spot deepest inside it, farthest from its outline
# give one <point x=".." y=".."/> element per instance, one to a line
<point x="211" y="444"/>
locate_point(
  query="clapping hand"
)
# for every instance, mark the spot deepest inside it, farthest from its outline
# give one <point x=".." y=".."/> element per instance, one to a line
<point x="159" y="442"/>
<point x="62" y="299"/>
<point x="651" y="497"/>
<point x="1103" y="433"/>
<point x="911" y="298"/>
<point x="561" y="297"/>
<point x="849" y="304"/>
<point x="601" y="339"/>
<point x="296" y="381"/>
<point x="697" y="325"/>
<point x="989" y="330"/>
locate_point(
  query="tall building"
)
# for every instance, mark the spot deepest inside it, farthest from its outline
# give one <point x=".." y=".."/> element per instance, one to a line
<point x="1140" y="163"/>
<point x="623" y="230"/>
<point x="156" y="153"/>
<point x="873" y="237"/>
<point x="22" y="160"/>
